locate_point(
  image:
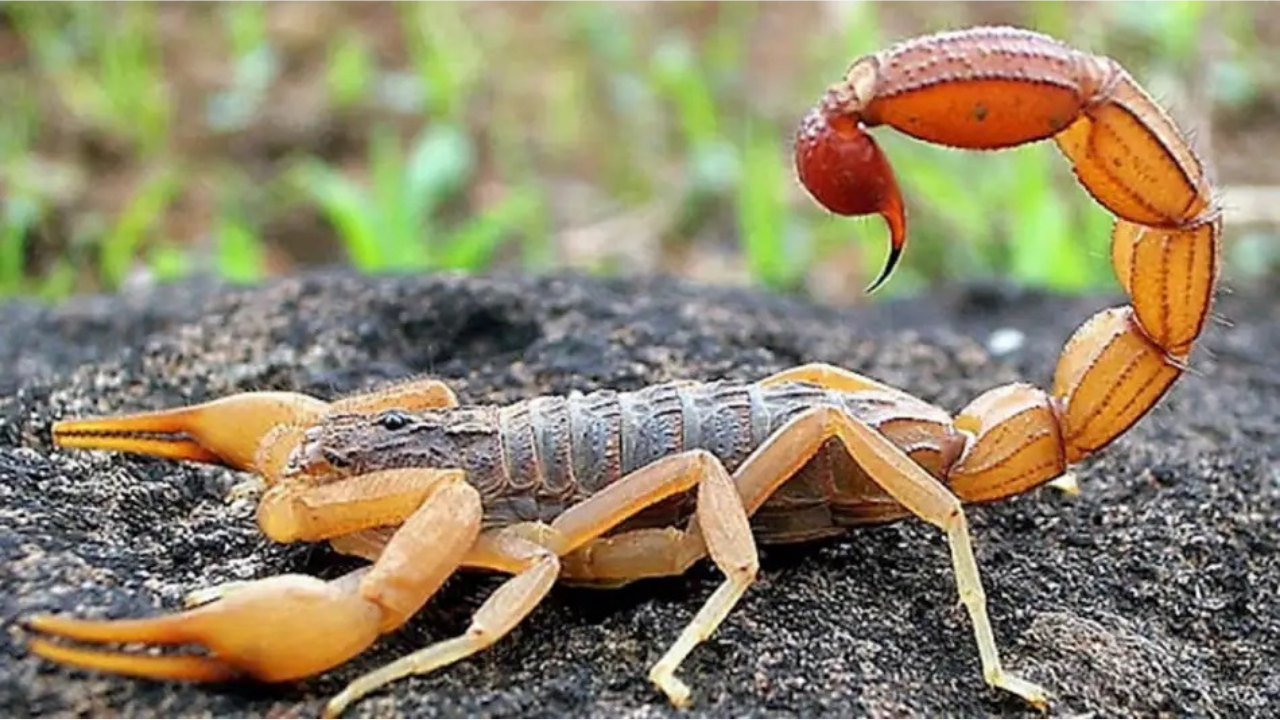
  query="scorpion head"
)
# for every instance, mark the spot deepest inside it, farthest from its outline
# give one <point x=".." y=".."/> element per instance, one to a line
<point x="343" y="444"/>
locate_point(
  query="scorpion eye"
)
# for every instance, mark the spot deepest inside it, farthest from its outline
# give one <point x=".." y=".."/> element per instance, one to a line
<point x="393" y="420"/>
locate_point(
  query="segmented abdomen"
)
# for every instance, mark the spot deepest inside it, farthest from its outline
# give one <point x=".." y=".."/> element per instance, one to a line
<point x="558" y="451"/>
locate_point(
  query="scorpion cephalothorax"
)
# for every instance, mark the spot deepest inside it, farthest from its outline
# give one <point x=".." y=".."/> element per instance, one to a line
<point x="345" y="444"/>
<point x="532" y="460"/>
<point x="611" y="487"/>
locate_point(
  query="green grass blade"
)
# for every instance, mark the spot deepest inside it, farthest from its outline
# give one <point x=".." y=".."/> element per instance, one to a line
<point x="123" y="241"/>
<point x="59" y="282"/>
<point x="472" y="246"/>
<point x="445" y="54"/>
<point x="396" y="231"/>
<point x="246" y="24"/>
<point x="348" y="209"/>
<point x="762" y="214"/>
<point x="675" y="72"/>
<point x="240" y="254"/>
<point x="134" y="100"/>
<point x="438" y="166"/>
<point x="349" y="70"/>
<point x="169" y="263"/>
<point x="20" y="214"/>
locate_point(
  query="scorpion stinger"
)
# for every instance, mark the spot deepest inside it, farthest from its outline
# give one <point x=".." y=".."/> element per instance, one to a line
<point x="611" y="487"/>
<point x="844" y="168"/>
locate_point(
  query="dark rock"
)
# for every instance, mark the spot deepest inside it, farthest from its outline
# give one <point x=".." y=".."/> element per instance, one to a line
<point x="1155" y="593"/>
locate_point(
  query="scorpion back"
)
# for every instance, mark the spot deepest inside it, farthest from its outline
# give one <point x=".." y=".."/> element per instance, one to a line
<point x="534" y="459"/>
<point x="612" y="487"/>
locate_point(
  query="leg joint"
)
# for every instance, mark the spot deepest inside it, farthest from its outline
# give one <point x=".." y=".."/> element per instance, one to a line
<point x="705" y="460"/>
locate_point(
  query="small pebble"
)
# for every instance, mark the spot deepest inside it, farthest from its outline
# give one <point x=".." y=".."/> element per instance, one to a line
<point x="1005" y="341"/>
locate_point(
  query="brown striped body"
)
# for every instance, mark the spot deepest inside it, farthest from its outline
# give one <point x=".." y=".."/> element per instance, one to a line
<point x="534" y="459"/>
<point x="422" y="487"/>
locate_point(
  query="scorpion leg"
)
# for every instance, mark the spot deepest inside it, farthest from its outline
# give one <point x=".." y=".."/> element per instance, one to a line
<point x="722" y="525"/>
<point x="529" y="550"/>
<point x="837" y="378"/>
<point x="412" y="395"/>
<point x="292" y="626"/>
<point x="206" y="595"/>
<point x="644" y="553"/>
<point x="535" y="569"/>
<point x="922" y="494"/>
<point x="614" y="561"/>
<point x="367" y="544"/>
<point x="828" y="376"/>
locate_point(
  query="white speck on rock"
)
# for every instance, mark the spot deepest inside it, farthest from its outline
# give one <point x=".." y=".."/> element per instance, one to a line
<point x="1005" y="340"/>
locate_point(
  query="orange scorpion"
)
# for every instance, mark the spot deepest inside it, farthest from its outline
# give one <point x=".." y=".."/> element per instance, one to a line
<point x="610" y="487"/>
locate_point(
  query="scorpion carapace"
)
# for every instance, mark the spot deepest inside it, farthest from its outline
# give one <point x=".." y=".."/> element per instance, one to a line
<point x="612" y="487"/>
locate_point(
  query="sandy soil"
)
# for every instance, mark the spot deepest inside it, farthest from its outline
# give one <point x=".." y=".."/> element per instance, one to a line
<point x="1155" y="593"/>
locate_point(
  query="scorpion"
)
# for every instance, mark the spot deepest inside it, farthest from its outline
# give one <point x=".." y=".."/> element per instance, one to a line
<point x="611" y="487"/>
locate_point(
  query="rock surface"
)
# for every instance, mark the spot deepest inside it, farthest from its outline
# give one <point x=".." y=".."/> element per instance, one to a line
<point x="1157" y="592"/>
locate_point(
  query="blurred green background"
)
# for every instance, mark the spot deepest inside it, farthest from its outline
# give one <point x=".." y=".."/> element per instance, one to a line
<point x="142" y="142"/>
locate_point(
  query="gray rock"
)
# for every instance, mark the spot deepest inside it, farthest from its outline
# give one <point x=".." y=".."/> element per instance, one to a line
<point x="1157" y="592"/>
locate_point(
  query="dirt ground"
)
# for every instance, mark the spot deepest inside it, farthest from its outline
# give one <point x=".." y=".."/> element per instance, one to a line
<point x="1155" y="593"/>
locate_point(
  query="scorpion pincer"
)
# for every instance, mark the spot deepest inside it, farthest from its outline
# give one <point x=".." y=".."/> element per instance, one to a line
<point x="612" y="487"/>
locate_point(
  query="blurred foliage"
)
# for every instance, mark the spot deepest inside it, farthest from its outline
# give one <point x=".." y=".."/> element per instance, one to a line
<point x="154" y="140"/>
<point x="390" y="227"/>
